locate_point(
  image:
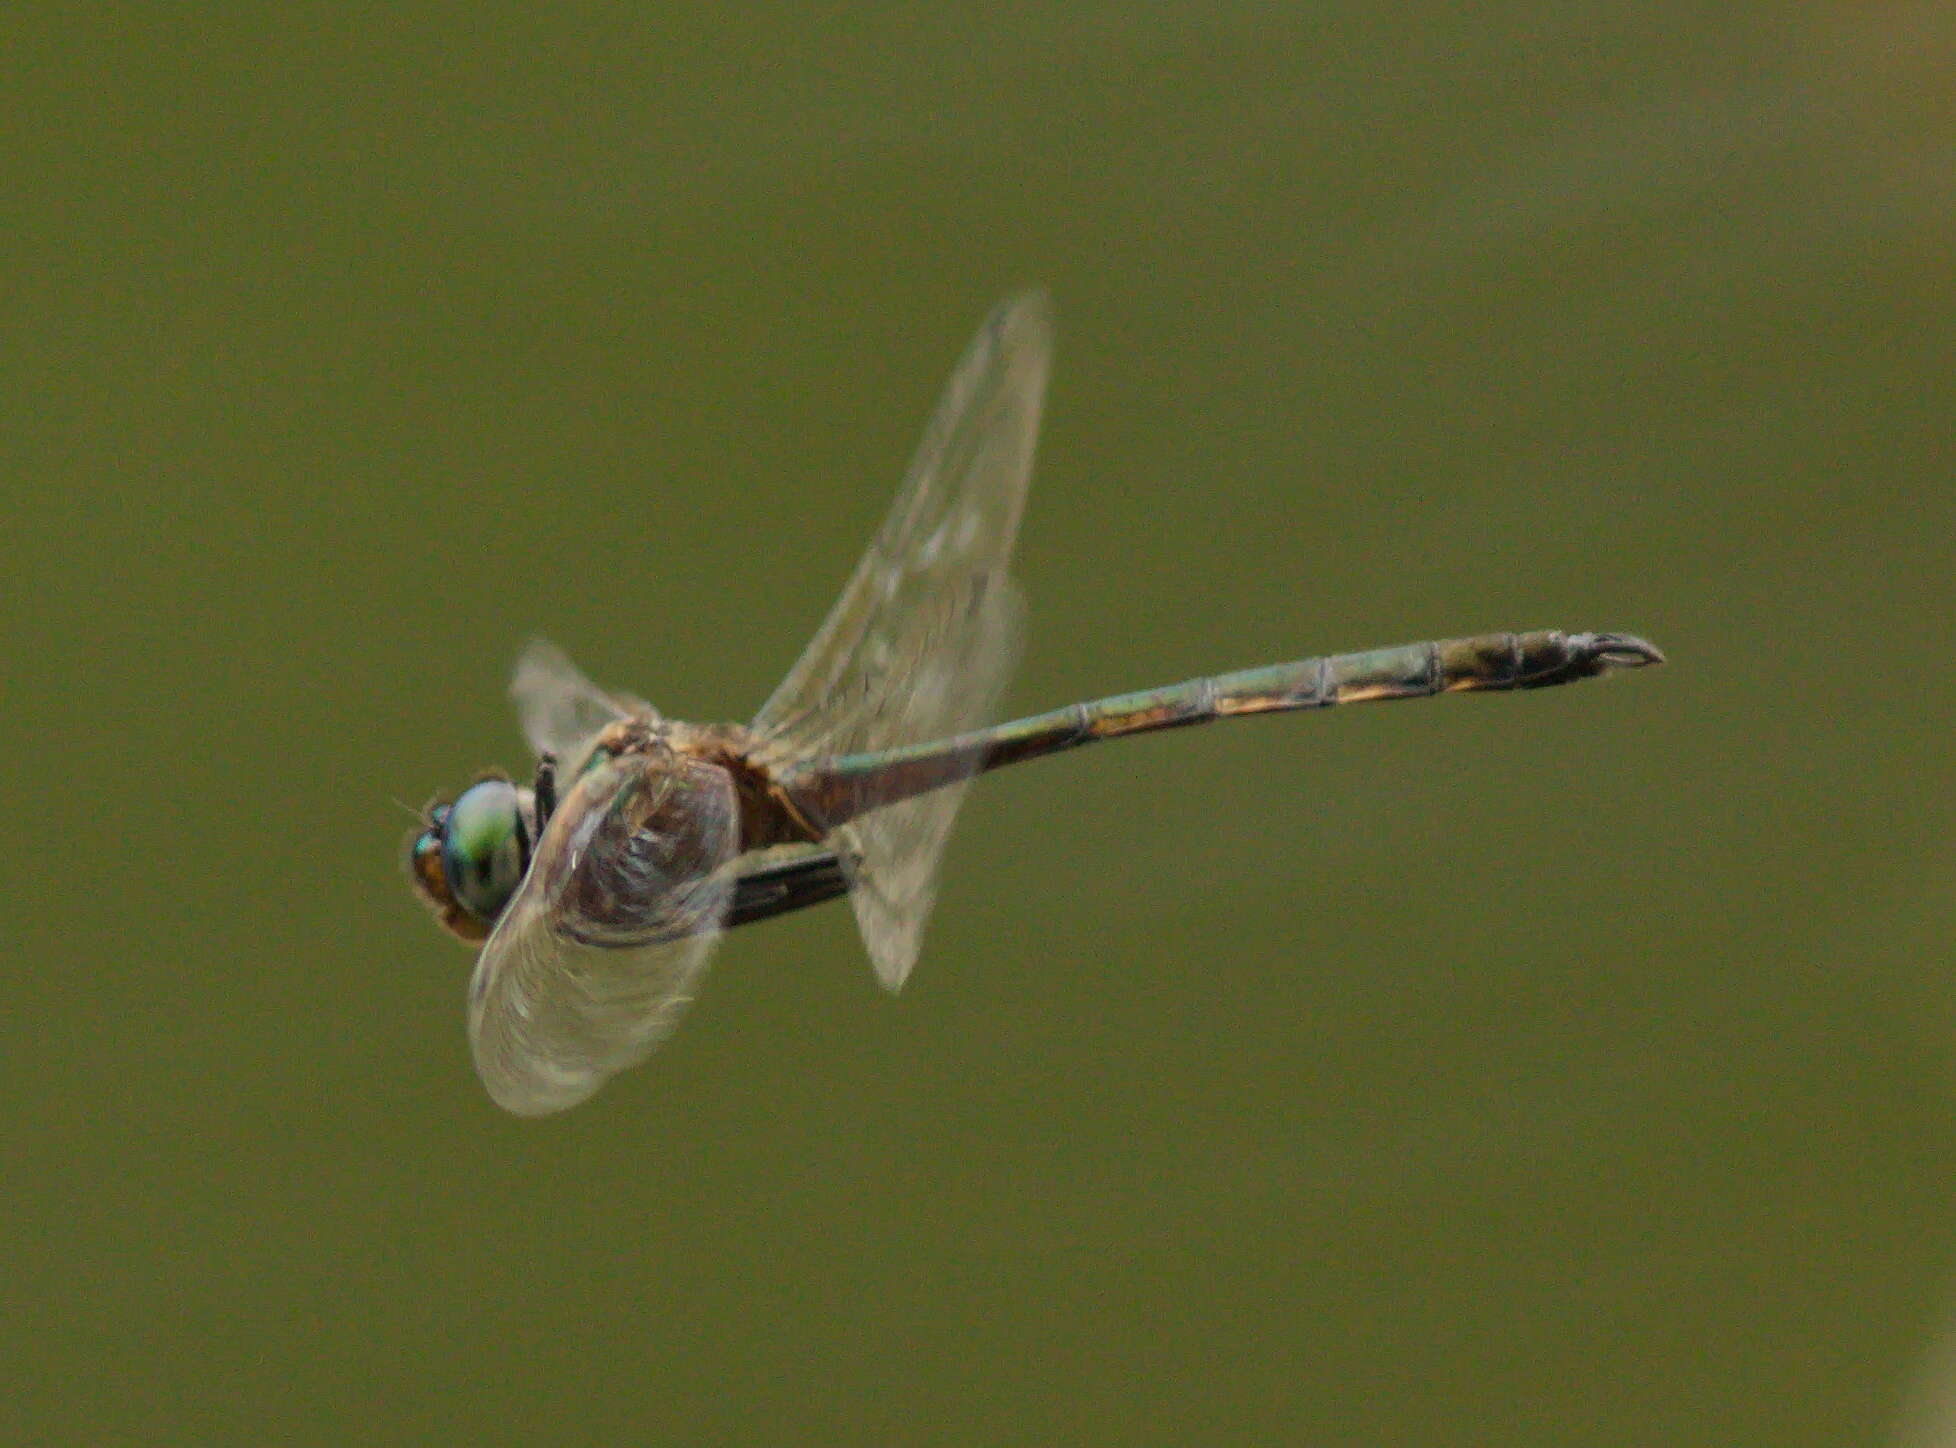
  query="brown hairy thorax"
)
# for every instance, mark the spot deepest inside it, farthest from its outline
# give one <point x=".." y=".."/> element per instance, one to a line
<point x="767" y="817"/>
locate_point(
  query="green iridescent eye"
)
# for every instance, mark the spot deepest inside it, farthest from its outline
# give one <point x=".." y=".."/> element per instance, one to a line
<point x="484" y="848"/>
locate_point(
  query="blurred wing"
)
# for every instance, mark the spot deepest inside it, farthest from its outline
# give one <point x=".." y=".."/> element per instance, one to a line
<point x="921" y="641"/>
<point x="891" y="856"/>
<point x="595" y="959"/>
<point x="554" y="1019"/>
<point x="557" y="706"/>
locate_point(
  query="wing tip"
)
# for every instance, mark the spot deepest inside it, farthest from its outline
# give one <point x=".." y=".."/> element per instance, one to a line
<point x="1023" y="316"/>
<point x="537" y="655"/>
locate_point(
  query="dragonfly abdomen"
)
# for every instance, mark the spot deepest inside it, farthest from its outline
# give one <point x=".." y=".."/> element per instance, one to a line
<point x="1491" y="662"/>
<point x="833" y="791"/>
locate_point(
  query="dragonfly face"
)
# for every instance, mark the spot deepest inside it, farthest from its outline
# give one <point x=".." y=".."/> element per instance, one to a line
<point x="471" y="856"/>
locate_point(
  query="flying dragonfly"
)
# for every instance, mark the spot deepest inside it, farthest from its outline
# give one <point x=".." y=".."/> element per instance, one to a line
<point x="596" y="892"/>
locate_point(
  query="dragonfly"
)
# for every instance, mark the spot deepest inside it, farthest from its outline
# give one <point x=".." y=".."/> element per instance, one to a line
<point x="596" y="891"/>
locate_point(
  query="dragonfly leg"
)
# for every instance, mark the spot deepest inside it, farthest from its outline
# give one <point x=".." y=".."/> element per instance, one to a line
<point x="792" y="884"/>
<point x="545" y="789"/>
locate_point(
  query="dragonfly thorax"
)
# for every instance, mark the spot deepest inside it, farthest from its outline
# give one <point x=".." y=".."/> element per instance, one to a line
<point x="637" y="837"/>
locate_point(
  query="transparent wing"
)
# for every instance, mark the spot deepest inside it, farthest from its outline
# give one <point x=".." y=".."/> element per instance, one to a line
<point x="922" y="639"/>
<point x="555" y="1019"/>
<point x="596" y="958"/>
<point x="892" y="856"/>
<point x="558" y="707"/>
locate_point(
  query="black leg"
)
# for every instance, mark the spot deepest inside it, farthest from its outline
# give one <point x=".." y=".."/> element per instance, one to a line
<point x="546" y="790"/>
<point x="791" y="884"/>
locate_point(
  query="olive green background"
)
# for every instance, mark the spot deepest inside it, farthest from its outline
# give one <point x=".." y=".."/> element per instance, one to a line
<point x="1572" y="1068"/>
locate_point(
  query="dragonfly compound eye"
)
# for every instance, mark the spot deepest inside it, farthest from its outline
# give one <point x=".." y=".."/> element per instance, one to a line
<point x="484" y="848"/>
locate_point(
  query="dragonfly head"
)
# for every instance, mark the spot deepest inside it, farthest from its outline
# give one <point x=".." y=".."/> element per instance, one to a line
<point x="470" y="856"/>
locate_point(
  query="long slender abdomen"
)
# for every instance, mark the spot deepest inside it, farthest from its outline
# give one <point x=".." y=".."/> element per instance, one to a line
<point x="833" y="791"/>
<point x="1485" y="662"/>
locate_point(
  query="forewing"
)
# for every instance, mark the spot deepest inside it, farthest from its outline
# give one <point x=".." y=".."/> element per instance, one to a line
<point x="558" y="707"/>
<point x="596" y="958"/>
<point x="555" y="1019"/>
<point x="922" y="639"/>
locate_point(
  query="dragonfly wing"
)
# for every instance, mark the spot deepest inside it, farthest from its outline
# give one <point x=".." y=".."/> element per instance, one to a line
<point x="551" y="1020"/>
<point x="596" y="957"/>
<point x="558" y="707"/>
<point x="891" y="855"/>
<point x="922" y="639"/>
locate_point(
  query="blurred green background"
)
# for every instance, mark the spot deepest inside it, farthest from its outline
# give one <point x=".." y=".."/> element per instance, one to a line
<point x="1567" y="1068"/>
